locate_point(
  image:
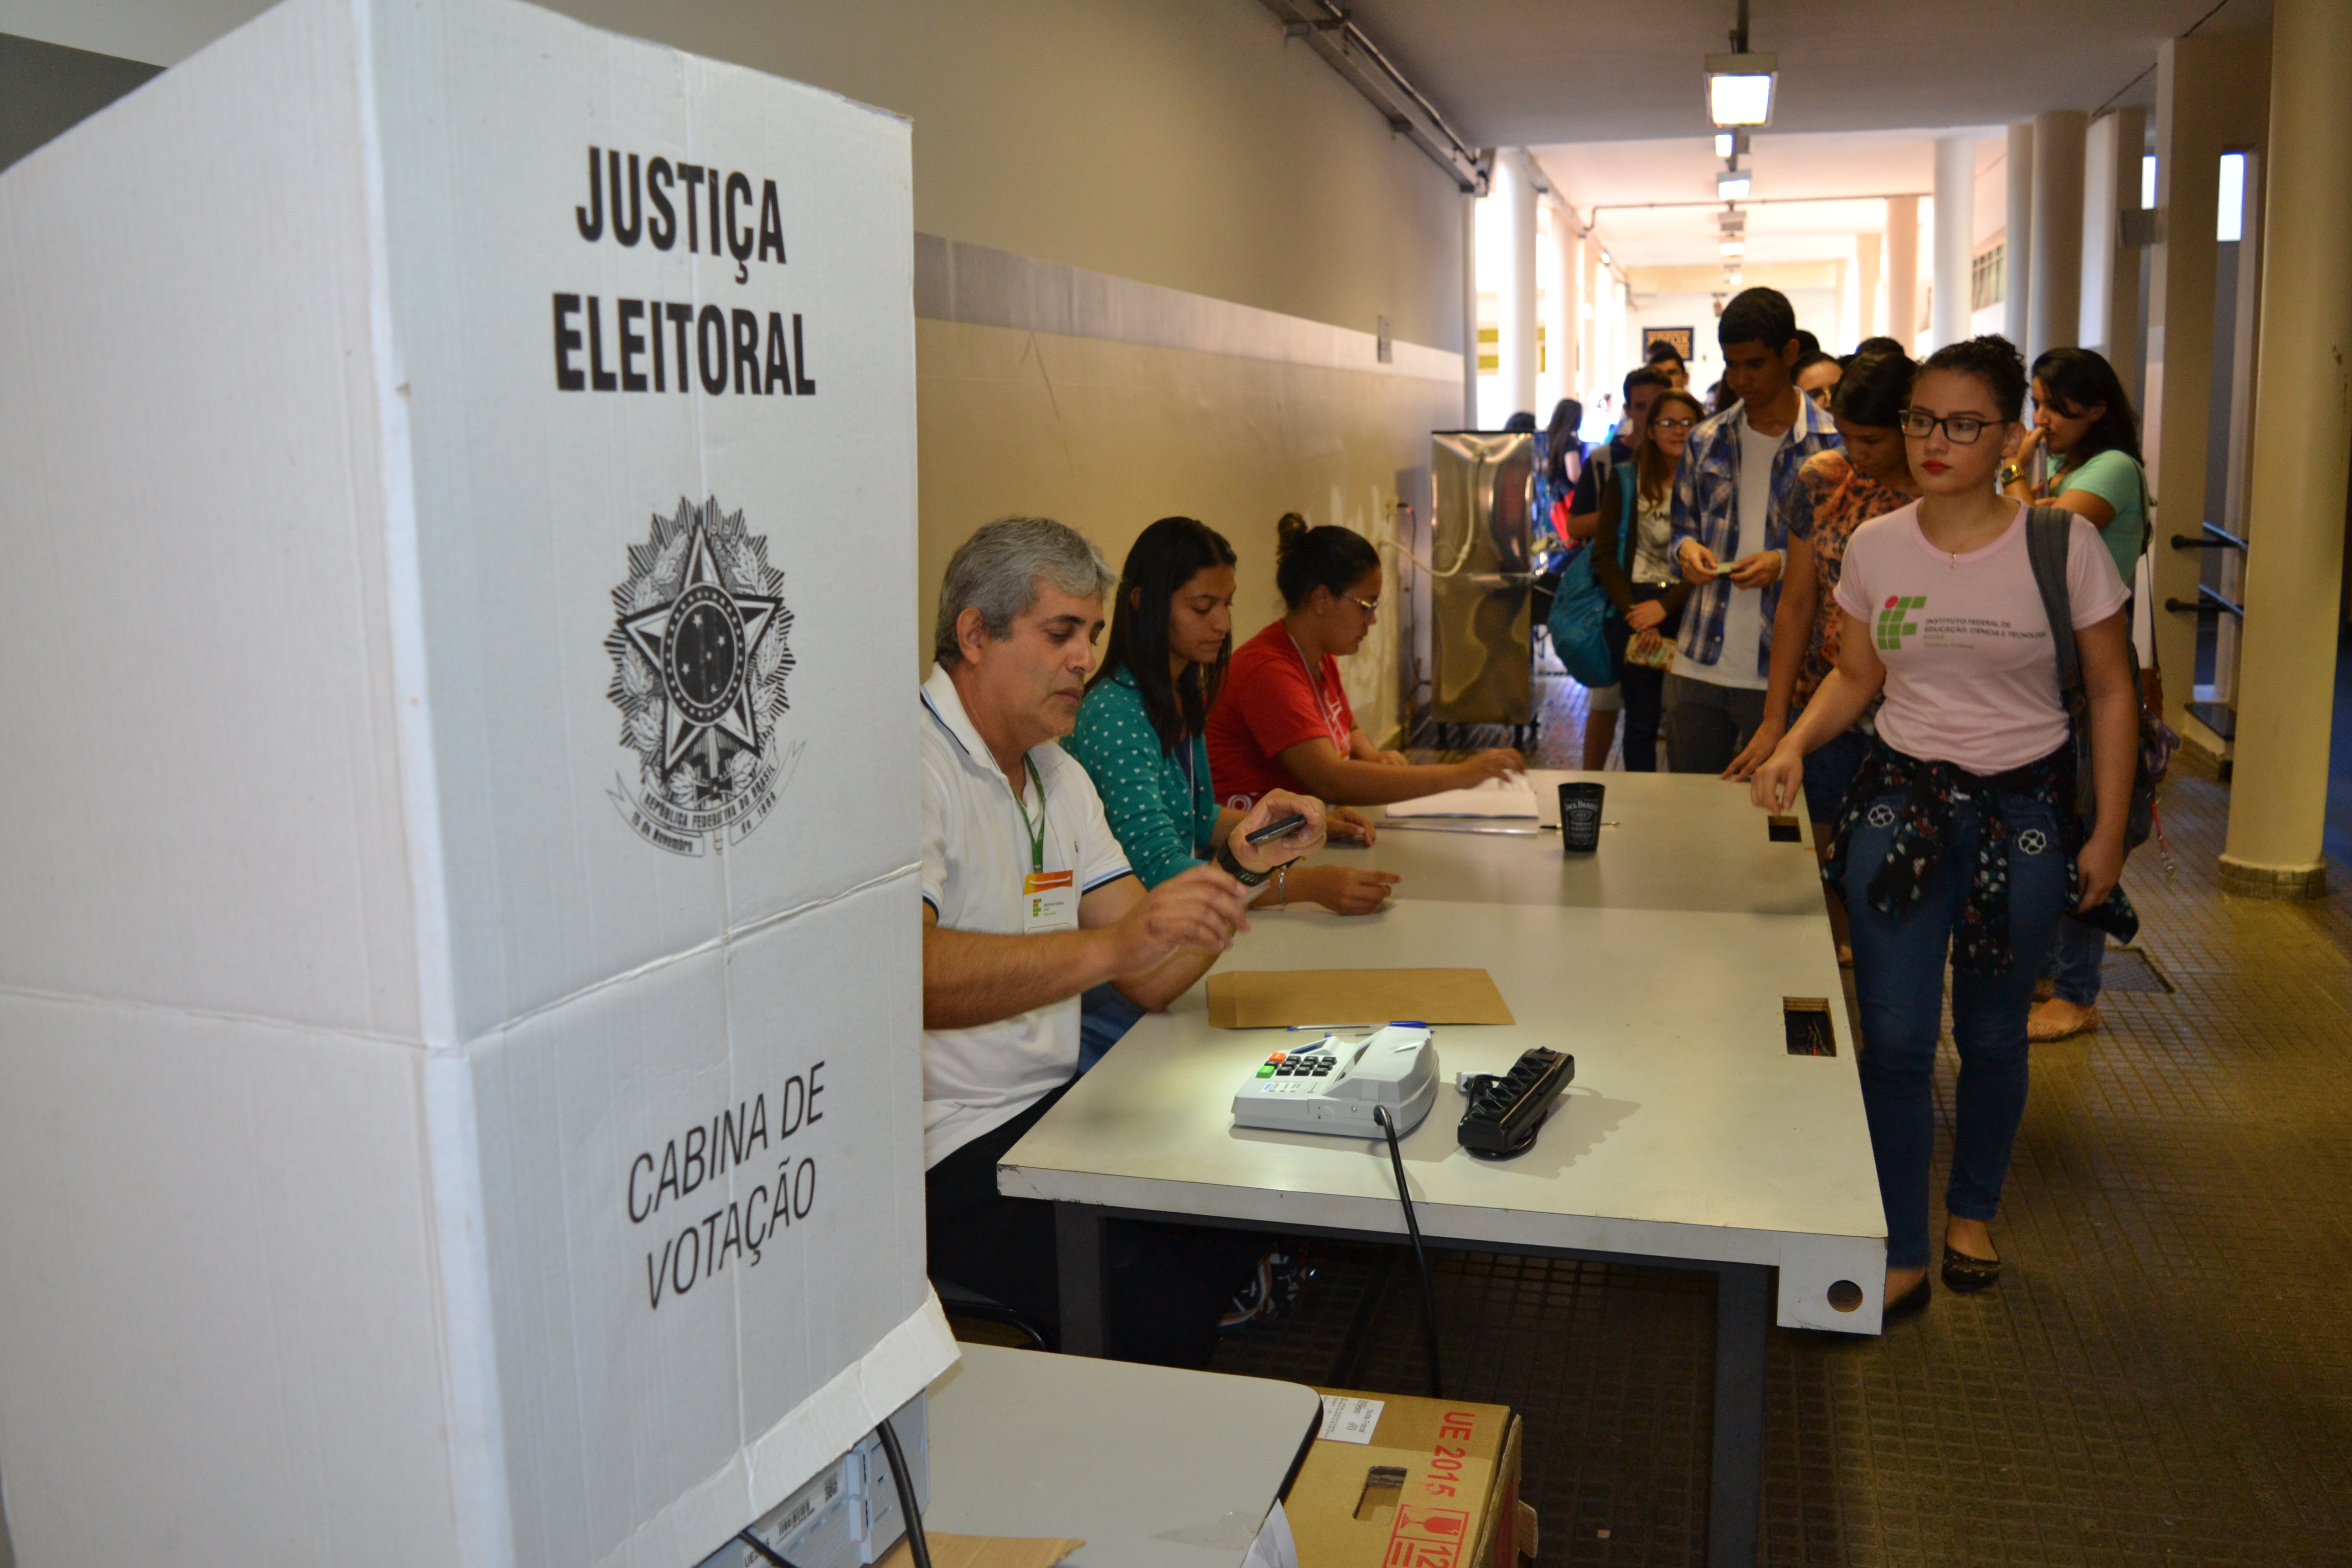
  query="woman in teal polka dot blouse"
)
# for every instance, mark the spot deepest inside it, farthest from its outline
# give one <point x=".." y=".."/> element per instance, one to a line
<point x="1141" y="730"/>
<point x="1141" y="736"/>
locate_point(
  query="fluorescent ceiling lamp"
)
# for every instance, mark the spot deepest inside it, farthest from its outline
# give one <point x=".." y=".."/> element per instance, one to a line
<point x="1732" y="187"/>
<point x="1740" y="88"/>
<point x="2146" y="182"/>
<point x="1723" y="143"/>
<point x="1734" y="245"/>
<point x="2229" y="224"/>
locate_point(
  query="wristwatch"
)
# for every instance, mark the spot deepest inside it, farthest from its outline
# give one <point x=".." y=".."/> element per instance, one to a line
<point x="2007" y="474"/>
<point x="1236" y="870"/>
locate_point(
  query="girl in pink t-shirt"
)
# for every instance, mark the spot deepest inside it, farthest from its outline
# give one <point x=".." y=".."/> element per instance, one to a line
<point x="1960" y="832"/>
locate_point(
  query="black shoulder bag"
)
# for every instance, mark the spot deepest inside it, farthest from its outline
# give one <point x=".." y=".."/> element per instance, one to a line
<point x="2048" y="535"/>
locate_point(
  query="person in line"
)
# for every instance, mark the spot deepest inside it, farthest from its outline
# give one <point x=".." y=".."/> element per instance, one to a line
<point x="1740" y="466"/>
<point x="1634" y="563"/>
<point x="1961" y="833"/>
<point x="1601" y="704"/>
<point x="1283" y="721"/>
<point x="1666" y="359"/>
<point x="1816" y="376"/>
<point x="1562" y="453"/>
<point x="1027" y="901"/>
<point x="2083" y="417"/>
<point x="1838" y="490"/>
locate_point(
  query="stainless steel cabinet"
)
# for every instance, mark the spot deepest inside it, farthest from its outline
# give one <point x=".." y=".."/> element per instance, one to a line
<point x="1483" y="664"/>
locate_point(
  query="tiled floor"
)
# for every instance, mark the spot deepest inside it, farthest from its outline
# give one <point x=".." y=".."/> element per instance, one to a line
<point x="2163" y="1375"/>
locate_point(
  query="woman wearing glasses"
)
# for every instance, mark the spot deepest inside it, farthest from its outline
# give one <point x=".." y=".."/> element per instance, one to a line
<point x="1633" y="560"/>
<point x="1959" y="833"/>
<point x="1140" y="730"/>
<point x="1284" y="721"/>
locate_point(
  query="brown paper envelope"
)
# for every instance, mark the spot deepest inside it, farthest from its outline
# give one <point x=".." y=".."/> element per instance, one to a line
<point x="984" y="1551"/>
<point x="1271" y="998"/>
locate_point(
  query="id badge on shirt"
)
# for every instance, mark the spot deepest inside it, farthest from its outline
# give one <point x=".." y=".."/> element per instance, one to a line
<point x="1049" y="901"/>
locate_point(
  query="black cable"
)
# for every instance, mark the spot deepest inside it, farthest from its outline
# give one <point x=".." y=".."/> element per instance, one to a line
<point x="916" y="1541"/>
<point x="775" y="1558"/>
<point x="1420" y="1258"/>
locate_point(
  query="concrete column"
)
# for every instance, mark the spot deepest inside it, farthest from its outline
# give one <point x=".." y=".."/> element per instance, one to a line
<point x="2018" y="245"/>
<point x="1555" y="369"/>
<point x="2111" y="298"/>
<point x="2278" y="793"/>
<point x="1867" y="270"/>
<point x="1592" y="372"/>
<point x="1903" y="271"/>
<point x="2211" y="92"/>
<point x="1469" y="311"/>
<point x="1515" y="301"/>
<point x="2054" y="299"/>
<point x="1955" y="226"/>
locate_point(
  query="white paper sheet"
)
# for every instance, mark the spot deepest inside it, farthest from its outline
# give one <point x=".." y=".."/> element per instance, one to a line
<point x="1508" y="796"/>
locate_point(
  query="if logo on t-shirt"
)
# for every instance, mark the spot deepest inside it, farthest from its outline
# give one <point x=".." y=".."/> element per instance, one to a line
<point x="1892" y="624"/>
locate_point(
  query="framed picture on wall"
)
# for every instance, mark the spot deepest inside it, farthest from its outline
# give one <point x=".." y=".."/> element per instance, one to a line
<point x="1678" y="339"/>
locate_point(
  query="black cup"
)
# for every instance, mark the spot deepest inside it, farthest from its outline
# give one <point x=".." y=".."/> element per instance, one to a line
<point x="1579" y="817"/>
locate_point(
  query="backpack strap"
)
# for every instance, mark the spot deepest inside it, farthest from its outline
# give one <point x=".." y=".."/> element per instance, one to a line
<point x="1628" y="497"/>
<point x="2049" y="531"/>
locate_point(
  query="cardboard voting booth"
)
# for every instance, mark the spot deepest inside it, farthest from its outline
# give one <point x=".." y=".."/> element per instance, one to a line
<point x="459" y="1069"/>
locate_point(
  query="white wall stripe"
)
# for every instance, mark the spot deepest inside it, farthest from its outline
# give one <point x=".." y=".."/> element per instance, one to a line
<point x="983" y="288"/>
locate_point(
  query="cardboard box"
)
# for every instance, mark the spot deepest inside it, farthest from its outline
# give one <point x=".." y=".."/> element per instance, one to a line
<point x="1436" y="1485"/>
<point x="460" y="1061"/>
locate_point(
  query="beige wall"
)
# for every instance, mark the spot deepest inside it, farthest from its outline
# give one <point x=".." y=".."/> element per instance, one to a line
<point x="1109" y="435"/>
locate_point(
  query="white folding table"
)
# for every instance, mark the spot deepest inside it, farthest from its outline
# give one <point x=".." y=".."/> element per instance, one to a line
<point x="1692" y="1137"/>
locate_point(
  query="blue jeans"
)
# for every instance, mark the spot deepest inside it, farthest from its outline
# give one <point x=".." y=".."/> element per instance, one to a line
<point x="1829" y="773"/>
<point x="1898" y="975"/>
<point x="2076" y="953"/>
<point x="1105" y="1015"/>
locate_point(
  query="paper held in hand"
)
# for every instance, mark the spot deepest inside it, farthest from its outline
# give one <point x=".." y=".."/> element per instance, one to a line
<point x="1511" y="796"/>
<point x="1275" y="998"/>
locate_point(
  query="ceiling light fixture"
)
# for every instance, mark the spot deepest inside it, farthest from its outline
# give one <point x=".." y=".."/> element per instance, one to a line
<point x="1726" y="143"/>
<point x="1740" y="84"/>
<point x="1732" y="186"/>
<point x="1734" y="245"/>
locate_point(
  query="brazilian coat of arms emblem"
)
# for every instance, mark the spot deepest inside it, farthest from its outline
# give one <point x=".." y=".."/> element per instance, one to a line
<point x="701" y="655"/>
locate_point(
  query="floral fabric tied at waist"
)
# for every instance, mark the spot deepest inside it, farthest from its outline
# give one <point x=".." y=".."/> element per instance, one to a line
<point x="1933" y="794"/>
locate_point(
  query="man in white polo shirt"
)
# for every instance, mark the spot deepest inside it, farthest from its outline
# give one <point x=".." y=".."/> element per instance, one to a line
<point x="1028" y="901"/>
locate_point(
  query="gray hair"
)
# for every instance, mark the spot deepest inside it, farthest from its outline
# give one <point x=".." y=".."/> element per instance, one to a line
<point x="996" y="571"/>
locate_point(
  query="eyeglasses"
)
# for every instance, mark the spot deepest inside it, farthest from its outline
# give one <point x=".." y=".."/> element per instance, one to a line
<point x="1674" y="424"/>
<point x="1370" y="607"/>
<point x="1963" y="429"/>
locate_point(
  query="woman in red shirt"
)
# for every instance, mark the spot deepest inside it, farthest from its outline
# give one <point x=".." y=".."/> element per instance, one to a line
<point x="1283" y="721"/>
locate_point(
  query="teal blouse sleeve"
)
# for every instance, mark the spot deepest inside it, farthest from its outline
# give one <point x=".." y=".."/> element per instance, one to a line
<point x="1145" y="794"/>
<point x="2115" y="479"/>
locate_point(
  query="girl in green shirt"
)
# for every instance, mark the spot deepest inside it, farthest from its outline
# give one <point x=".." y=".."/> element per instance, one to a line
<point x="2083" y="417"/>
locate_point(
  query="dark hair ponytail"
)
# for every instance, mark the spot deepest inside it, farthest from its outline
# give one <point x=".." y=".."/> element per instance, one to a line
<point x="1305" y="559"/>
<point x="1991" y="359"/>
<point x="2077" y="379"/>
<point x="1874" y="388"/>
<point x="1164" y="557"/>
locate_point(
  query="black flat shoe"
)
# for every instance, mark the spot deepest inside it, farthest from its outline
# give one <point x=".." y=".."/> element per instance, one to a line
<point x="1967" y="1275"/>
<point x="1910" y="1304"/>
